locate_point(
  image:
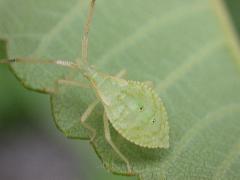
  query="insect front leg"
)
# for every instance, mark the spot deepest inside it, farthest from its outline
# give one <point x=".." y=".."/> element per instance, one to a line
<point x="109" y="140"/>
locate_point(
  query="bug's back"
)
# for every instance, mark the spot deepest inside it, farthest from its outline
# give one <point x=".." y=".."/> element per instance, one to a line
<point x="134" y="109"/>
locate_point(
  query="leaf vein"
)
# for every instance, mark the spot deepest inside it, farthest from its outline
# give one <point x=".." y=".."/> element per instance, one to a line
<point x="152" y="25"/>
<point x="192" y="132"/>
<point x="229" y="159"/>
<point x="193" y="60"/>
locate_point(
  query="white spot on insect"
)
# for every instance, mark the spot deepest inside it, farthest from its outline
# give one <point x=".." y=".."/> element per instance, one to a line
<point x="64" y="63"/>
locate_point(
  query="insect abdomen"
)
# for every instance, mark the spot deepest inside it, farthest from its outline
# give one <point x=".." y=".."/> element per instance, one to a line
<point x="134" y="109"/>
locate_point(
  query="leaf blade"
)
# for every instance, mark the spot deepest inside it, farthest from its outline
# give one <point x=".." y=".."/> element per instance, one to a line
<point x="184" y="51"/>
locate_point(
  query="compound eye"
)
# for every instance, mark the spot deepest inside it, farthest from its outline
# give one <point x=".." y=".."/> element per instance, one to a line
<point x="141" y="108"/>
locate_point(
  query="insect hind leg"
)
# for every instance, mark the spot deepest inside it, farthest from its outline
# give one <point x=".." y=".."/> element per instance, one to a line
<point x="109" y="140"/>
<point x="91" y="107"/>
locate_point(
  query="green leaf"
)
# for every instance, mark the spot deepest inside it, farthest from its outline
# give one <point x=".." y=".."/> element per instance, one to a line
<point x="179" y="45"/>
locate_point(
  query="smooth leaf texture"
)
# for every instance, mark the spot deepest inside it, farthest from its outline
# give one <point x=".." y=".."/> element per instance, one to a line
<point x="179" y="45"/>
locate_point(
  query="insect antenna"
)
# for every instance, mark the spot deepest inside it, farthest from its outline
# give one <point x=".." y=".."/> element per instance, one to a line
<point x="86" y="31"/>
<point x="7" y="61"/>
<point x="64" y="63"/>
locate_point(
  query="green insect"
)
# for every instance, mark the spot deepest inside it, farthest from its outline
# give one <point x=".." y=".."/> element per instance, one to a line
<point x="133" y="108"/>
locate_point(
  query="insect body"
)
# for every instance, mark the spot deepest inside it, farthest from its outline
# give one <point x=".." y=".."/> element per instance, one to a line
<point x="134" y="109"/>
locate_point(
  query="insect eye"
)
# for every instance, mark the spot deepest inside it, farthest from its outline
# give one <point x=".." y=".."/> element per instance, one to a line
<point x="141" y="108"/>
<point x="153" y="121"/>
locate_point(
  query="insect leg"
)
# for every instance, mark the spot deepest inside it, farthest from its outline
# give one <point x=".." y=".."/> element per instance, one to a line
<point x="109" y="140"/>
<point x="84" y="85"/>
<point x="86" y="31"/>
<point x="90" y="108"/>
<point x="73" y="83"/>
<point x="85" y="115"/>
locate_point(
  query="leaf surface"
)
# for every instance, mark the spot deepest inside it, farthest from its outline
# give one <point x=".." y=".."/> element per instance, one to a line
<point x="179" y="45"/>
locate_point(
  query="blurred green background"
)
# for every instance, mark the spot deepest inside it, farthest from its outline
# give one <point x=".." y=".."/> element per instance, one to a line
<point x="31" y="147"/>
